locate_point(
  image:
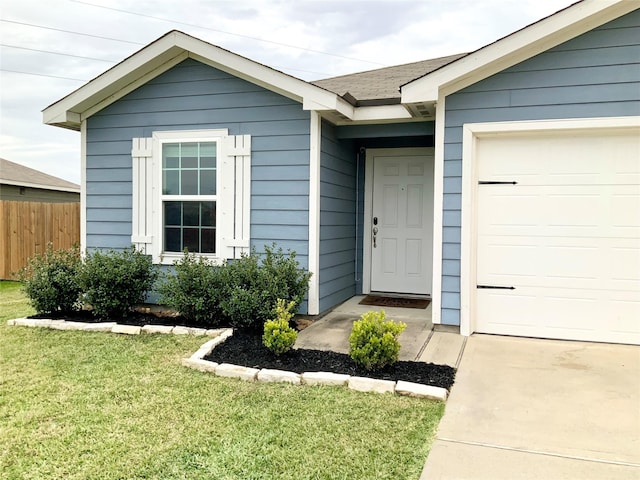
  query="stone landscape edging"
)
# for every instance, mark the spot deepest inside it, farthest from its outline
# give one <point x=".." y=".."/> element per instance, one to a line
<point x="113" y="327"/>
<point x="265" y="375"/>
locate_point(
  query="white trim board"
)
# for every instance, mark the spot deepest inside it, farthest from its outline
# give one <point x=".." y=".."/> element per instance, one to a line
<point x="515" y="48"/>
<point x="438" y="201"/>
<point x="473" y="131"/>
<point x="83" y="187"/>
<point x="315" y="138"/>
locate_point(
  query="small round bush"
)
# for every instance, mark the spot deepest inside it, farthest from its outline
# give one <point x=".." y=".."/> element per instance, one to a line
<point x="50" y="280"/>
<point x="194" y="288"/>
<point x="253" y="284"/>
<point x="278" y="335"/>
<point x="374" y="340"/>
<point x="115" y="281"/>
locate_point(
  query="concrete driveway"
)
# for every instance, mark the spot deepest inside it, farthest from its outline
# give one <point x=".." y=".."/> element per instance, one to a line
<point x="530" y="408"/>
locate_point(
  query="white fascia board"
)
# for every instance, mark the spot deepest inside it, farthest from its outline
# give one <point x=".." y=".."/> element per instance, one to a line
<point x="311" y="96"/>
<point x="381" y="113"/>
<point x="165" y="53"/>
<point x="41" y="187"/>
<point x="515" y="48"/>
<point x="328" y="104"/>
<point x="112" y="84"/>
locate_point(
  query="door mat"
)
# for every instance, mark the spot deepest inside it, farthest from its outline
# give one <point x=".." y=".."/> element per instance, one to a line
<point x="380" y="301"/>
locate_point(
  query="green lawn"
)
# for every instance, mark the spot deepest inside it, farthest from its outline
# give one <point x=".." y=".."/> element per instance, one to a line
<point x="102" y="406"/>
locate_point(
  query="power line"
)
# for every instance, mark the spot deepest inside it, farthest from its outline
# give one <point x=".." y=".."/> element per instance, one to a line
<point x="41" y="75"/>
<point x="57" y="53"/>
<point x="103" y="38"/>
<point x="227" y="33"/>
<point x="69" y="31"/>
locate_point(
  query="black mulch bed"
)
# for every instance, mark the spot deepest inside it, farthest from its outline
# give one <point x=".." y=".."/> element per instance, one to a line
<point x="247" y="350"/>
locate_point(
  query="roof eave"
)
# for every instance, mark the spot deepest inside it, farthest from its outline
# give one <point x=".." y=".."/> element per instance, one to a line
<point x="515" y="48"/>
<point x="17" y="183"/>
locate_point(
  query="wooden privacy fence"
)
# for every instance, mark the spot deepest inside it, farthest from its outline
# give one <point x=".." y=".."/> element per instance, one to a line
<point x="27" y="227"/>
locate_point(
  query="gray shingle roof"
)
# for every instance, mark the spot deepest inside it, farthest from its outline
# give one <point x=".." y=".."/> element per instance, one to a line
<point x="12" y="173"/>
<point x="381" y="86"/>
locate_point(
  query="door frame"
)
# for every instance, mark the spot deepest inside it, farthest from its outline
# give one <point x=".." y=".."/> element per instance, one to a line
<point x="472" y="132"/>
<point x="371" y="153"/>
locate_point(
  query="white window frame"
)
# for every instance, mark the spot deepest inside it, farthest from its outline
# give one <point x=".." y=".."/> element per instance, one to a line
<point x="184" y="136"/>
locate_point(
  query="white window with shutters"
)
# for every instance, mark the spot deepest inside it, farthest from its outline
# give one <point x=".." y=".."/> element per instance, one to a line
<point x="191" y="191"/>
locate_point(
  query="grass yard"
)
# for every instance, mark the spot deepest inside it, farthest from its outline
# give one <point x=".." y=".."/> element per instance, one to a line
<point x="13" y="303"/>
<point x="101" y="406"/>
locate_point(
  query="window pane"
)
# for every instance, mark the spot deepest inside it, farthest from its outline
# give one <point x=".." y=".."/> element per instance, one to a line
<point x="190" y="239"/>
<point x="191" y="214"/>
<point x="172" y="213"/>
<point x="171" y="182"/>
<point x="207" y="182"/>
<point x="189" y="182"/>
<point x="190" y="225"/>
<point x="171" y="155"/>
<point x="208" y="155"/>
<point x="208" y="214"/>
<point x="189" y="154"/>
<point x="208" y="243"/>
<point x="172" y="240"/>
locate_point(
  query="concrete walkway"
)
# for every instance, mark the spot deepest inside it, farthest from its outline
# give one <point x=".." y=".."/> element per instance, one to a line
<point x="530" y="408"/>
<point x="332" y="331"/>
<point x="419" y="342"/>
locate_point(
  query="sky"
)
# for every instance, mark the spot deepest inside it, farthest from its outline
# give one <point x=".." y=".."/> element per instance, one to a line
<point x="48" y="48"/>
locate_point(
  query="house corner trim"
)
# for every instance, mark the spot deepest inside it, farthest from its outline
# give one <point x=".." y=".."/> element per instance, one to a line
<point x="83" y="187"/>
<point x="314" y="213"/>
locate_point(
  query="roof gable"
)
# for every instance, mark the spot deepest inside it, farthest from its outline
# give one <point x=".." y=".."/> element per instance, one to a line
<point x="521" y="45"/>
<point x="166" y="52"/>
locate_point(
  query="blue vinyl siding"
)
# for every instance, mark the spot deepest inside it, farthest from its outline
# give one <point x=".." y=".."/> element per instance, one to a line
<point x="337" y="219"/>
<point x="594" y="75"/>
<point x="191" y="96"/>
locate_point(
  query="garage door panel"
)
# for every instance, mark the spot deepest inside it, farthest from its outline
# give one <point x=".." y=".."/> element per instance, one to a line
<point x="566" y="236"/>
<point x="612" y="211"/>
<point x="562" y="314"/>
<point x="559" y="159"/>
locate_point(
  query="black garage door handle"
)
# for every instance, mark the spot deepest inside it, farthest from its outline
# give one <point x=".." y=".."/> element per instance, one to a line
<point x="495" y="287"/>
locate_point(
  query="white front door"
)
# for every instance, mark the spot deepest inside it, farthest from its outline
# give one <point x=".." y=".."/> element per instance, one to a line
<point x="401" y="220"/>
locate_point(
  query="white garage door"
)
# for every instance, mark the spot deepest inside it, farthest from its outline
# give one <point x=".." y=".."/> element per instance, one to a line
<point x="558" y="251"/>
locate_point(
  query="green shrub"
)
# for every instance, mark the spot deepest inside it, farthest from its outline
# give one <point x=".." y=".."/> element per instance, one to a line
<point x="50" y="280"/>
<point x="278" y="335"/>
<point x="114" y="282"/>
<point x="374" y="340"/>
<point x="253" y="284"/>
<point x="194" y="288"/>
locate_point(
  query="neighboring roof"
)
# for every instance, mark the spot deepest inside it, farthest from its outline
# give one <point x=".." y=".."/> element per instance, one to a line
<point x="521" y="45"/>
<point x="381" y="86"/>
<point x="12" y="173"/>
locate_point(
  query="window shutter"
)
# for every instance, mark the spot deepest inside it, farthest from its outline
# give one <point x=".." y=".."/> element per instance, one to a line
<point x="142" y="233"/>
<point x="234" y="207"/>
